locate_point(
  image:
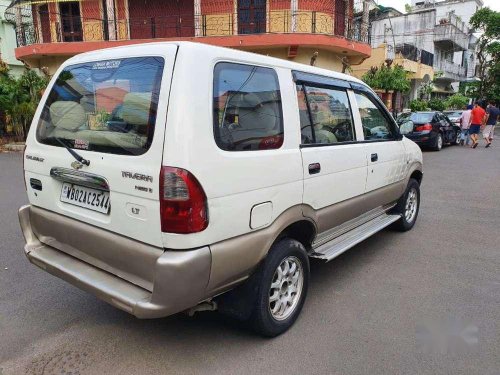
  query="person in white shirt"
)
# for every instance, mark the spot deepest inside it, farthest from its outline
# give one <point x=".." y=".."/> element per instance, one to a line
<point x="465" y="120"/>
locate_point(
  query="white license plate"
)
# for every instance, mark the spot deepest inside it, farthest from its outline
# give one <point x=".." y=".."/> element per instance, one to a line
<point x="92" y="199"/>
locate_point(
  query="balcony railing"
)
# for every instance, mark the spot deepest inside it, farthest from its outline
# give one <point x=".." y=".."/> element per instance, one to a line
<point x="452" y="31"/>
<point x="177" y="26"/>
<point x="450" y="70"/>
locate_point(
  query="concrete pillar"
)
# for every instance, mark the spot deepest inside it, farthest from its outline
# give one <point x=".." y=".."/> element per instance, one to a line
<point x="197" y="18"/>
<point x="294" y="7"/>
<point x="110" y="9"/>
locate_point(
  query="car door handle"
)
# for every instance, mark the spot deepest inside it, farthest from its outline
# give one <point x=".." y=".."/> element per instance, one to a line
<point x="314" y="168"/>
<point x="374" y="157"/>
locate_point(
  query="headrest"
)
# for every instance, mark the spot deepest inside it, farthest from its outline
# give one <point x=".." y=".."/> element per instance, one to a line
<point x="136" y="106"/>
<point x="67" y="115"/>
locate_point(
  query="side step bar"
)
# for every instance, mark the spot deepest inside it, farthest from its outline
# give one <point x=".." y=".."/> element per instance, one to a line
<point x="337" y="246"/>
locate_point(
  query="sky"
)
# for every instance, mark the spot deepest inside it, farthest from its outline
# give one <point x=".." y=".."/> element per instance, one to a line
<point x="400" y="4"/>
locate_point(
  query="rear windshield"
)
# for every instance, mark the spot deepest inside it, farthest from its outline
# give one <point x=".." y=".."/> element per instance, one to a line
<point x="417" y="117"/>
<point x="106" y="106"/>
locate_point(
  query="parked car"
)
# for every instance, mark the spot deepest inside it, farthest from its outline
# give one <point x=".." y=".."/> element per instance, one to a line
<point x="167" y="185"/>
<point x="429" y="129"/>
<point x="454" y="116"/>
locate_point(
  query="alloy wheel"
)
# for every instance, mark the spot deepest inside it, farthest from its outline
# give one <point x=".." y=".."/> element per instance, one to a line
<point x="286" y="288"/>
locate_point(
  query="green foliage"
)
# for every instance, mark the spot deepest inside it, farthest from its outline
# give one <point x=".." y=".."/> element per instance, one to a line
<point x="456" y="101"/>
<point x="19" y="97"/>
<point x="418" y="105"/>
<point x="408" y="8"/>
<point x="436" y="104"/>
<point x="488" y="54"/>
<point x="387" y="78"/>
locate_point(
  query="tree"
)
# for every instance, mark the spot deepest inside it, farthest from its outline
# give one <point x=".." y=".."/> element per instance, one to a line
<point x="488" y="54"/>
<point x="19" y="97"/>
<point x="387" y="78"/>
<point x="456" y="101"/>
<point x="436" y="104"/>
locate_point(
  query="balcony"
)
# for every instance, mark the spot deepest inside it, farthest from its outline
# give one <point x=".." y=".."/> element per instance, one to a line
<point x="450" y="71"/>
<point x="47" y="23"/>
<point x="451" y="34"/>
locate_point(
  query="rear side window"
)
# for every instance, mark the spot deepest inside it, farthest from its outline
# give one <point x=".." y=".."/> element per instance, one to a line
<point x="106" y="106"/>
<point x="330" y="113"/>
<point x="247" y="108"/>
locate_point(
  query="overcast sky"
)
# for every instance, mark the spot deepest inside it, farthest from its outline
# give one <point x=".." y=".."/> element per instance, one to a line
<point x="400" y="4"/>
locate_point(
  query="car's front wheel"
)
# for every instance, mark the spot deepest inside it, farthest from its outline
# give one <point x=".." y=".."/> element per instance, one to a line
<point x="408" y="206"/>
<point x="282" y="288"/>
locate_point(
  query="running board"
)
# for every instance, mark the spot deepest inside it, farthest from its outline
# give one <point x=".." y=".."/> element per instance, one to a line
<point x="338" y="245"/>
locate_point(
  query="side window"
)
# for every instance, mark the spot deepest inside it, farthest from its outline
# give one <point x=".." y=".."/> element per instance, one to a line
<point x="247" y="108"/>
<point x="330" y="112"/>
<point x="375" y="124"/>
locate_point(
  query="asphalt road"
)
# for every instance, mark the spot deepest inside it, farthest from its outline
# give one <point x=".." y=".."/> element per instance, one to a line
<point x="423" y="302"/>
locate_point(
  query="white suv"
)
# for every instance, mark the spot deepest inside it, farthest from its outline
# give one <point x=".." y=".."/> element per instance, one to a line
<point x="174" y="177"/>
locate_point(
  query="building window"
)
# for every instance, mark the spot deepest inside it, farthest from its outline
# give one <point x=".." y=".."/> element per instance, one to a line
<point x="247" y="108"/>
<point x="71" y="23"/>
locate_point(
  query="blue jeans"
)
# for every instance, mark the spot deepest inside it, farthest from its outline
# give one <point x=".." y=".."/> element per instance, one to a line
<point x="464" y="136"/>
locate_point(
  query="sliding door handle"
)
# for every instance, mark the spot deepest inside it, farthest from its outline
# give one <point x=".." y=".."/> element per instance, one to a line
<point x="374" y="157"/>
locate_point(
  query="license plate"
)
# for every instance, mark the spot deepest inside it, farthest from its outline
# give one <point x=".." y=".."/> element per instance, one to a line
<point x="81" y="196"/>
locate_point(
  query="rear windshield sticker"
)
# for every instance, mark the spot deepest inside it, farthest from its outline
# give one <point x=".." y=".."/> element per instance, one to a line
<point x="101" y="65"/>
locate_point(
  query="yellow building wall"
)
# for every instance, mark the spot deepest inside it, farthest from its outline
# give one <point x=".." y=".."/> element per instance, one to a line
<point x="377" y="58"/>
<point x="326" y="59"/>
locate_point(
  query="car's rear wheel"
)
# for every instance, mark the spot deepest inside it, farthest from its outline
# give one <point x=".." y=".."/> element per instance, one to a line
<point x="438" y="144"/>
<point x="282" y="288"/>
<point x="408" y="207"/>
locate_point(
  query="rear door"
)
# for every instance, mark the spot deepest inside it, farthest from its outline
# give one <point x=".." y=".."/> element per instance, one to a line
<point x="110" y="111"/>
<point x="334" y="164"/>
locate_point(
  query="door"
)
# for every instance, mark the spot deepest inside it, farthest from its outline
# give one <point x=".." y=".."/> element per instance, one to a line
<point x="384" y="150"/>
<point x="71" y="23"/>
<point x="446" y="127"/>
<point x="161" y="19"/>
<point x="251" y="16"/>
<point x="110" y="113"/>
<point x="43" y="12"/>
<point x="339" y="22"/>
<point x="334" y="165"/>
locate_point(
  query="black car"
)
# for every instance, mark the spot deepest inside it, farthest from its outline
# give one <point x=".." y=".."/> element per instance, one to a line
<point x="429" y="129"/>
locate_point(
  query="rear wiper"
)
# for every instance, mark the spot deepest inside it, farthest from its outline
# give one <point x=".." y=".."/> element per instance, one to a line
<point x="73" y="152"/>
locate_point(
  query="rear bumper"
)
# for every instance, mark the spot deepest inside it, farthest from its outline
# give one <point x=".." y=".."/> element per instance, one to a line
<point x="423" y="139"/>
<point x="179" y="278"/>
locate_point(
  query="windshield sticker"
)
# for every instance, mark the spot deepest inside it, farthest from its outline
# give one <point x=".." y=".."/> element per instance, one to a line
<point x="101" y="65"/>
<point x="81" y="144"/>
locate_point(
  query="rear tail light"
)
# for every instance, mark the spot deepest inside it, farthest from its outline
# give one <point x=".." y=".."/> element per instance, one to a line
<point x="424" y="127"/>
<point x="183" y="203"/>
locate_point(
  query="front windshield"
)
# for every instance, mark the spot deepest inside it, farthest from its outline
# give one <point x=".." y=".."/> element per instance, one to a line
<point x="106" y="106"/>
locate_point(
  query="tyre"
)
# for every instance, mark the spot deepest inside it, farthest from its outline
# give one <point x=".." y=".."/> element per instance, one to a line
<point x="282" y="288"/>
<point x="438" y="145"/>
<point x="408" y="207"/>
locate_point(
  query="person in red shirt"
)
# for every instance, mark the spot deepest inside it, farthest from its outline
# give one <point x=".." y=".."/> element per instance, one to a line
<point x="478" y="115"/>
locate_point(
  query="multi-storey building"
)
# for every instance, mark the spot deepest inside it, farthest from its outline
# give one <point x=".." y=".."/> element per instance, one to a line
<point x="435" y="34"/>
<point x="8" y="42"/>
<point x="48" y="32"/>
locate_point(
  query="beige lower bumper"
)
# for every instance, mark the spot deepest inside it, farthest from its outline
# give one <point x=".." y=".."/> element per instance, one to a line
<point x="180" y="277"/>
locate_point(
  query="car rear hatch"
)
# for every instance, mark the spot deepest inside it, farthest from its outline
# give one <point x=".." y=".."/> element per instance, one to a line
<point x="94" y="155"/>
<point x="415" y="123"/>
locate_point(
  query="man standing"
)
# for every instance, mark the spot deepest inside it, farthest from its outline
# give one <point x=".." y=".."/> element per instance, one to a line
<point x="477" y="119"/>
<point x="465" y="125"/>
<point x="492" y="113"/>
